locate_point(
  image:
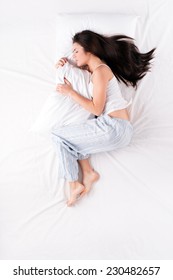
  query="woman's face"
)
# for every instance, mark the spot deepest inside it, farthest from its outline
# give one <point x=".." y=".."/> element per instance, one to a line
<point x="80" y="56"/>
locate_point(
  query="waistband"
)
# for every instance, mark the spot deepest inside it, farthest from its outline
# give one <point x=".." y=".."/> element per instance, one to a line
<point x="110" y="119"/>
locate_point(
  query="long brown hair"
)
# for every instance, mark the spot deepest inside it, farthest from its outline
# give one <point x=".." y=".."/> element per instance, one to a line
<point x="119" y="52"/>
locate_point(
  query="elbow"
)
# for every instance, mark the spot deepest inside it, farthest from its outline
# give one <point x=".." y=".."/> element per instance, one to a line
<point x="98" y="113"/>
<point x="98" y="110"/>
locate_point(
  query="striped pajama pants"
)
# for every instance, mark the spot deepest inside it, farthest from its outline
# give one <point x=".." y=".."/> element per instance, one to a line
<point x="78" y="141"/>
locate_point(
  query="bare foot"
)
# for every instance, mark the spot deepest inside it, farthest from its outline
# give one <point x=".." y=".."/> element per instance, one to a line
<point x="89" y="178"/>
<point x="75" y="190"/>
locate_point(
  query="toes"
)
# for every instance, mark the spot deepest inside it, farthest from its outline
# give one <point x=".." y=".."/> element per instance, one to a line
<point x="83" y="193"/>
<point x="70" y="203"/>
<point x="75" y="196"/>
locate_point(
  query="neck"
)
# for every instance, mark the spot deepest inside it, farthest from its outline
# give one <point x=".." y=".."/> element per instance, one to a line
<point x="93" y="63"/>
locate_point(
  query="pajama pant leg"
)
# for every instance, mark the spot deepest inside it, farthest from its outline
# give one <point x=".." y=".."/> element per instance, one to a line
<point x="78" y="141"/>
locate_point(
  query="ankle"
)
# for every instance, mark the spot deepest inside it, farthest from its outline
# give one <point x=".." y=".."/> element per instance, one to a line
<point x="88" y="171"/>
<point x="73" y="184"/>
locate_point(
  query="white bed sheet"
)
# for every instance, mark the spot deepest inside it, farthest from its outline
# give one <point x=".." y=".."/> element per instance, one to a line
<point x="129" y="213"/>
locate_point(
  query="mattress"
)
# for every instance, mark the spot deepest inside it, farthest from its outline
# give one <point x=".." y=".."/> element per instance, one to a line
<point x="129" y="212"/>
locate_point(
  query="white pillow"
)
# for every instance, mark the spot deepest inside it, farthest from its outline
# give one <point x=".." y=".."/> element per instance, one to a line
<point x="104" y="23"/>
<point x="60" y="109"/>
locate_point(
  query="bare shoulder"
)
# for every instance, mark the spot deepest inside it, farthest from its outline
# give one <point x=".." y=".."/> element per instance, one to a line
<point x="102" y="73"/>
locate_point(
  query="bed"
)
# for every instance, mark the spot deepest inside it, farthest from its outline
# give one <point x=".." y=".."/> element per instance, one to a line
<point x="129" y="212"/>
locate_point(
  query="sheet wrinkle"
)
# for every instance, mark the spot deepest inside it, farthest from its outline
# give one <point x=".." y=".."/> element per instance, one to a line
<point x="121" y="166"/>
<point x="135" y="185"/>
<point x="27" y="76"/>
<point x="59" y="202"/>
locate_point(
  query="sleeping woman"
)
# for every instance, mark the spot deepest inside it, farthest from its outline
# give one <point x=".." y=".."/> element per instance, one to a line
<point x="110" y="60"/>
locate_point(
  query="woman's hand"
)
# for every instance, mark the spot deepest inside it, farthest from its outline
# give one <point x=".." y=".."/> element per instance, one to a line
<point x="61" y="62"/>
<point x="66" y="88"/>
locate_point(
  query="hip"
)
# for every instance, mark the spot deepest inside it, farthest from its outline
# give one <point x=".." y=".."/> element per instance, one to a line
<point x="120" y="114"/>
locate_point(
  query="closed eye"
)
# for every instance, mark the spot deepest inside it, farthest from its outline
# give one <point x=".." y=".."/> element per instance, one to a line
<point x="75" y="51"/>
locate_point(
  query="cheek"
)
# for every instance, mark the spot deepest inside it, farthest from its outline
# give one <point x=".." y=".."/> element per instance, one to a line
<point x="80" y="58"/>
<point x="84" y="57"/>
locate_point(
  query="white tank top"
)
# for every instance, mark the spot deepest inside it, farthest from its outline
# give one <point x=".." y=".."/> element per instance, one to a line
<point x="114" y="99"/>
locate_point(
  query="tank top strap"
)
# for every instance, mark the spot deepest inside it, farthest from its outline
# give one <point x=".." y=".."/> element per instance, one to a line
<point x="99" y="66"/>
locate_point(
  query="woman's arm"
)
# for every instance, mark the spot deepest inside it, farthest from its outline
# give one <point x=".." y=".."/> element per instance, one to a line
<point x="86" y="103"/>
<point x="96" y="105"/>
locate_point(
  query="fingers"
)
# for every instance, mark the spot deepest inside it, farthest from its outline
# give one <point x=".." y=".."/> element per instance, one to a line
<point x="64" y="88"/>
<point x="66" y="81"/>
<point x="61" y="62"/>
<point x="59" y="88"/>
